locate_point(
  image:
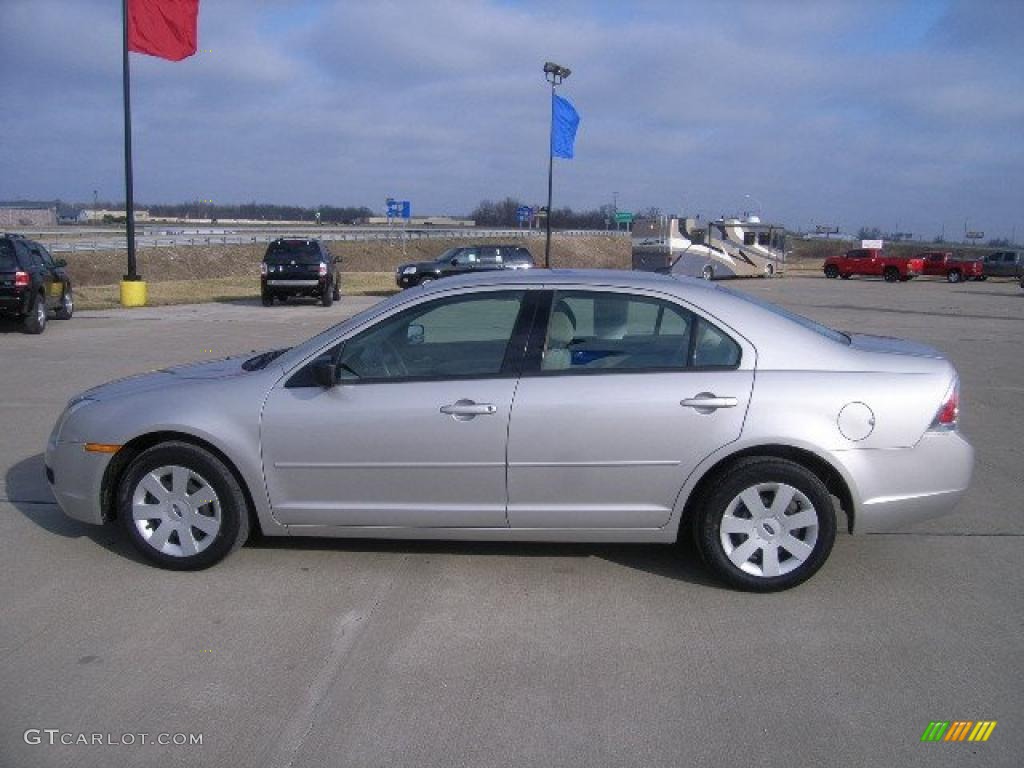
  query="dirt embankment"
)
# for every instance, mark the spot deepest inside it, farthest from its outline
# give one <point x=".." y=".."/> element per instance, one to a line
<point x="206" y="261"/>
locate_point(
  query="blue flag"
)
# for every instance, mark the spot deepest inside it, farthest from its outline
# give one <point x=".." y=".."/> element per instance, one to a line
<point x="564" y="122"/>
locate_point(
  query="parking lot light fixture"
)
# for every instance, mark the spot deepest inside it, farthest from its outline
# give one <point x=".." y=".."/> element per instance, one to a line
<point x="554" y="74"/>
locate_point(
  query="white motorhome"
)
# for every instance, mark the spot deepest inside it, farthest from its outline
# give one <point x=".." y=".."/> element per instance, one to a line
<point x="726" y="247"/>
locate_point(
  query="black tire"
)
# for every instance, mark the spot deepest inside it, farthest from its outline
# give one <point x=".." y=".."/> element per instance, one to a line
<point x="846" y="275"/>
<point x="233" y="527"/>
<point x="983" y="278"/>
<point x="67" y="305"/>
<point x="35" y="319"/>
<point x="327" y="297"/>
<point x="831" y="271"/>
<point x="810" y="496"/>
<point x="267" y="299"/>
<point x="954" y="276"/>
<point x="337" y="289"/>
<point x="891" y="275"/>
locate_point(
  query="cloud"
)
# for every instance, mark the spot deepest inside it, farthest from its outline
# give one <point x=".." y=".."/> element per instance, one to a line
<point x="859" y="113"/>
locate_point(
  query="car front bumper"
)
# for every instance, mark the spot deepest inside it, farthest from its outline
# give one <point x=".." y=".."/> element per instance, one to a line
<point x="898" y="487"/>
<point x="76" y="479"/>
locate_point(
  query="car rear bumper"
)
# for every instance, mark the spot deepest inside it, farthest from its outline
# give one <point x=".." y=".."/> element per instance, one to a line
<point x="76" y="479"/>
<point x="903" y="486"/>
<point x="292" y="283"/>
<point x="14" y="303"/>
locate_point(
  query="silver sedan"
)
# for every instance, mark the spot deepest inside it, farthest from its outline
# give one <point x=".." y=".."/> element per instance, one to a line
<point x="531" y="406"/>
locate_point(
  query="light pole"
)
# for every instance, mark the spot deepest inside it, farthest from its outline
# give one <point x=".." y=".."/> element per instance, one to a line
<point x="554" y="74"/>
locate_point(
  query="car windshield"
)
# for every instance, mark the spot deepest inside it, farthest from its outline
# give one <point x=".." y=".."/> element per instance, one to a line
<point x="806" y="322"/>
<point x="8" y="261"/>
<point x="292" y="250"/>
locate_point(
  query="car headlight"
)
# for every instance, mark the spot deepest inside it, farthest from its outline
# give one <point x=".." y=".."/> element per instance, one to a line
<point x="409" y="270"/>
<point x="74" y="404"/>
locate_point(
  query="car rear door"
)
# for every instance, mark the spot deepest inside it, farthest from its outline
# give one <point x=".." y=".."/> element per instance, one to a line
<point x="622" y="396"/>
<point x="414" y="434"/>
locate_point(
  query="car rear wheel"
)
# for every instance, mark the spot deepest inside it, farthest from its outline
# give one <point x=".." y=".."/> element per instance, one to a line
<point x="327" y="297"/>
<point x="182" y="507"/>
<point x="67" y="305"/>
<point x="831" y="271"/>
<point x="891" y="275"/>
<point x="953" y="276"/>
<point x="768" y="524"/>
<point x="337" y="290"/>
<point x="35" y="320"/>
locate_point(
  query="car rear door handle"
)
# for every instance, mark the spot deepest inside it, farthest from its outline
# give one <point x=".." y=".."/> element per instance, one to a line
<point x="706" y="402"/>
<point x="463" y="410"/>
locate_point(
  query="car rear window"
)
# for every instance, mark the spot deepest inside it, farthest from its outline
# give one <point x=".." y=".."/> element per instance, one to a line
<point x="8" y="260"/>
<point x="301" y="251"/>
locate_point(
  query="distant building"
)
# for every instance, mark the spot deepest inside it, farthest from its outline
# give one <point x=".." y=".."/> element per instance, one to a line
<point x="100" y="215"/>
<point x="419" y="221"/>
<point x="11" y="216"/>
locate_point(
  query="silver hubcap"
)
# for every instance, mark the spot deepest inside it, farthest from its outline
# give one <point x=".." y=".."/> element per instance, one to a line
<point x="41" y="311"/>
<point x="176" y="511"/>
<point x="69" y="303"/>
<point x="769" y="529"/>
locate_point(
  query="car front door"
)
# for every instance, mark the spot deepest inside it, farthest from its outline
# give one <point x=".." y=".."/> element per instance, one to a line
<point x="414" y="432"/>
<point x="52" y="278"/>
<point x="622" y="396"/>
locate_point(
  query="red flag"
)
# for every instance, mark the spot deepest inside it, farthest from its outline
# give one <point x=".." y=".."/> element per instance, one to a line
<point x="164" y="28"/>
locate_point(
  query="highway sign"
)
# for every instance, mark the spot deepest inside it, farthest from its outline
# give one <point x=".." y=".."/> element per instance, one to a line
<point x="623" y="217"/>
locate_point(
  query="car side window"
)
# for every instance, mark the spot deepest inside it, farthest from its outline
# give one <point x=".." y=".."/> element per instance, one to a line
<point x="45" y="256"/>
<point x="461" y="336"/>
<point x="490" y="256"/>
<point x="465" y="257"/>
<point x="590" y="331"/>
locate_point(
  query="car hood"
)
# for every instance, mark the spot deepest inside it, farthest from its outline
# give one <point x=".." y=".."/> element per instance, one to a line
<point x="213" y="369"/>
<point x="892" y="345"/>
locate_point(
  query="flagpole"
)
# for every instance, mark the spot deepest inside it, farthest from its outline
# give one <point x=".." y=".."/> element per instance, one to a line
<point x="129" y="196"/>
<point x="551" y="164"/>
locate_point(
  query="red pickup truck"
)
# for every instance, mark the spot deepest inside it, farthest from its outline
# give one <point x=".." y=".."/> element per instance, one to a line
<point x="944" y="264"/>
<point x="870" y="261"/>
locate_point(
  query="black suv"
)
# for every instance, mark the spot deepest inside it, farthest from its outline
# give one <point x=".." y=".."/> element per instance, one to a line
<point x="32" y="283"/>
<point x="464" y="259"/>
<point x="299" y="268"/>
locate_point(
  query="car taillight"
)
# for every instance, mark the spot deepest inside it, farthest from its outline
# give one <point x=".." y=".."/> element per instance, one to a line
<point x="323" y="269"/>
<point x="21" y="279"/>
<point x="263" y="269"/>
<point x="948" y="413"/>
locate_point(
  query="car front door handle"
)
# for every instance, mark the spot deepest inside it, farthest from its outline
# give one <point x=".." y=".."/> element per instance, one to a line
<point x="706" y="402"/>
<point x="463" y="410"/>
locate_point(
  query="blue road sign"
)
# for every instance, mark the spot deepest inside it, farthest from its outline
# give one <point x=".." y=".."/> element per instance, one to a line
<point x="523" y="213"/>
<point x="398" y="209"/>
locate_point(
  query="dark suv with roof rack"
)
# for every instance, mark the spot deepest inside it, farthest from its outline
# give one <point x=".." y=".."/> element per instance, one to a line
<point x="32" y="283"/>
<point x="299" y="268"/>
<point x="463" y="259"/>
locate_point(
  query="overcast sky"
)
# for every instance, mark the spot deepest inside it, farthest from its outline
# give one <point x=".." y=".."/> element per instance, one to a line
<point x="888" y="113"/>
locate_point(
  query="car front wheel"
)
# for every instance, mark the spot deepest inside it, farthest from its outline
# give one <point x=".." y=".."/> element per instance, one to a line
<point x="67" y="305"/>
<point x="831" y="271"/>
<point x="768" y="524"/>
<point x="953" y="276"/>
<point x="182" y="507"/>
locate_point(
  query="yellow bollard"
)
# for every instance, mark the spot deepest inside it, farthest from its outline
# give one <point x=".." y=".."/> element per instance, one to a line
<point x="133" y="293"/>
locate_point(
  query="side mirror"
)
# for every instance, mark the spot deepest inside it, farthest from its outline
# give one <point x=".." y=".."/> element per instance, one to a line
<point x="415" y="334"/>
<point x="325" y="372"/>
<point x="60" y="263"/>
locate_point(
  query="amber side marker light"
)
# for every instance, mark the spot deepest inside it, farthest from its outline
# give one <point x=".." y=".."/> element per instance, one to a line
<point x="102" y="448"/>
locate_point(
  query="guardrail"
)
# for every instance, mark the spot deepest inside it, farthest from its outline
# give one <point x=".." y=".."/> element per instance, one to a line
<point x="396" y="236"/>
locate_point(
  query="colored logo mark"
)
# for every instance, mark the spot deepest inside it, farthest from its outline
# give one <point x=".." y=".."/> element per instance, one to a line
<point x="958" y="730"/>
